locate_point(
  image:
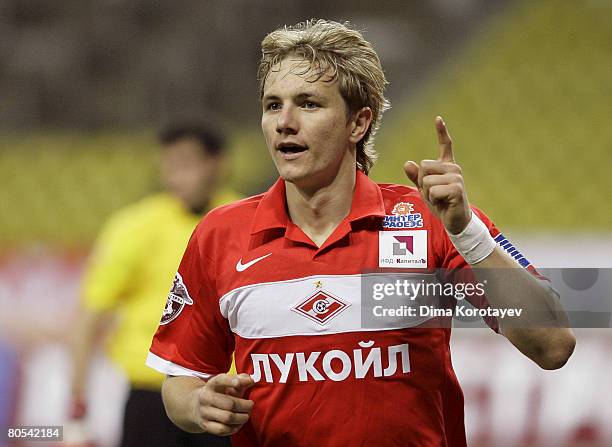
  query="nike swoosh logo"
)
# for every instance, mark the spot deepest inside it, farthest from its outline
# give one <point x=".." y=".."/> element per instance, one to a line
<point x="240" y="267"/>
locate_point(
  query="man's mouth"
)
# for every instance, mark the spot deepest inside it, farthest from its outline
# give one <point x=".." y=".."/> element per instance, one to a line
<point x="291" y="151"/>
<point x="291" y="148"/>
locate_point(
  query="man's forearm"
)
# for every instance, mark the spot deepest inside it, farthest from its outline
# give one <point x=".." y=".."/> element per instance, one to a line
<point x="179" y="394"/>
<point x="508" y="285"/>
<point x="542" y="330"/>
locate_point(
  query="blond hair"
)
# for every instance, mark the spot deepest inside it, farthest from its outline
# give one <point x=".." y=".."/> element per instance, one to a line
<point x="337" y="50"/>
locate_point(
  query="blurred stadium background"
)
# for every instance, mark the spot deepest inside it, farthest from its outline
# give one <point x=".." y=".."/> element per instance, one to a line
<point x="525" y="88"/>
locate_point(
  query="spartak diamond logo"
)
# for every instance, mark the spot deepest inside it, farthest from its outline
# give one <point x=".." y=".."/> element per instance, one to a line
<point x="321" y="307"/>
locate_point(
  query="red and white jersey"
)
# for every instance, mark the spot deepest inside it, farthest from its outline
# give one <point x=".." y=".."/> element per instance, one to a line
<point x="252" y="282"/>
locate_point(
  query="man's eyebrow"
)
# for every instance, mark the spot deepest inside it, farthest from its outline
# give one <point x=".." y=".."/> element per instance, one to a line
<point x="269" y="98"/>
<point x="307" y="94"/>
<point x="300" y="96"/>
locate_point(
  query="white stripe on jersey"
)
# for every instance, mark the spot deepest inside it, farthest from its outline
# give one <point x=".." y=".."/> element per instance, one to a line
<point x="266" y="310"/>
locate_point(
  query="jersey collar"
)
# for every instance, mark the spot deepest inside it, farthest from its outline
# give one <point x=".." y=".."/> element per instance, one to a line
<point x="272" y="209"/>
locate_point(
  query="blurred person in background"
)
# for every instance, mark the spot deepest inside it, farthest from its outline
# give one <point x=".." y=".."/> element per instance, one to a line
<point x="127" y="279"/>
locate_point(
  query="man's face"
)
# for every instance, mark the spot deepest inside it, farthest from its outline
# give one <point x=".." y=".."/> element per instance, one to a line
<point x="305" y="125"/>
<point x="188" y="172"/>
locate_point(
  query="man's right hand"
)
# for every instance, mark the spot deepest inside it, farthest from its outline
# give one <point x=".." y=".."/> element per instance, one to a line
<point x="218" y="407"/>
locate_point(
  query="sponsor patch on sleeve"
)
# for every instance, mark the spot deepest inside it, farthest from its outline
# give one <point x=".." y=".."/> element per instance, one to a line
<point x="176" y="301"/>
<point x="512" y="250"/>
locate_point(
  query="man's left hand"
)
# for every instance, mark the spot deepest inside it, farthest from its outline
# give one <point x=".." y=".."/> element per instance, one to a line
<point x="440" y="183"/>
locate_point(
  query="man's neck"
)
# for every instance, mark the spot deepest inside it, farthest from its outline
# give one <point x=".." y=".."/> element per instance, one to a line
<point x="319" y="212"/>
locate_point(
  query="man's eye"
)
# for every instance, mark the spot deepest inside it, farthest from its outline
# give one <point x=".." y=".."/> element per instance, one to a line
<point x="274" y="106"/>
<point x="310" y="105"/>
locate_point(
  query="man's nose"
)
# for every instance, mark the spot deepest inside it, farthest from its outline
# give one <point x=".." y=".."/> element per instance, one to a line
<point x="287" y="121"/>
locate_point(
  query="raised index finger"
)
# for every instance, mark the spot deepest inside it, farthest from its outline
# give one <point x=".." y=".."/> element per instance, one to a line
<point x="444" y="141"/>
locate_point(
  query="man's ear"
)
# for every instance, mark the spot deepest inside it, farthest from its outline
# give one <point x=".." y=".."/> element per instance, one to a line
<point x="359" y="124"/>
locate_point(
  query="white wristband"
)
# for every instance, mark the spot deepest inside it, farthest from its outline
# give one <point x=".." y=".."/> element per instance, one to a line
<point x="474" y="243"/>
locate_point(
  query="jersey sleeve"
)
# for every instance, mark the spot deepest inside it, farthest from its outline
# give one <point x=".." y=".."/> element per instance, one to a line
<point x="117" y="253"/>
<point x="193" y="338"/>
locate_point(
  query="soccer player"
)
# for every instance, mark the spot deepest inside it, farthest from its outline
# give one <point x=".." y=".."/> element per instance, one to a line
<point x="129" y="273"/>
<point x="278" y="276"/>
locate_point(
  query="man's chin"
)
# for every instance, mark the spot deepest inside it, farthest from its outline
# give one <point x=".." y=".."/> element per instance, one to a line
<point x="303" y="182"/>
<point x="292" y="176"/>
<point x="290" y="179"/>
